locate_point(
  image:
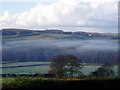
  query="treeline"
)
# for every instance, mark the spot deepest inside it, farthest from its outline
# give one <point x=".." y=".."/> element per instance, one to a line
<point x="45" y="54"/>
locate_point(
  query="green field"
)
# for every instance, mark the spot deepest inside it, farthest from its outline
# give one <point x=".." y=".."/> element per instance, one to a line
<point x="43" y="68"/>
<point x="43" y="36"/>
<point x="25" y="70"/>
<point x="23" y="63"/>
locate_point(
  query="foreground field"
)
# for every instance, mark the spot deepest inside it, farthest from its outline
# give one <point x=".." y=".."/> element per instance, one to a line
<point x="41" y="67"/>
<point x="39" y="82"/>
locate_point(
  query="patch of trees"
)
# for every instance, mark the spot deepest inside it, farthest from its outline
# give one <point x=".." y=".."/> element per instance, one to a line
<point x="18" y="32"/>
<point x="104" y="71"/>
<point x="69" y="66"/>
<point x="99" y="56"/>
<point x="66" y="66"/>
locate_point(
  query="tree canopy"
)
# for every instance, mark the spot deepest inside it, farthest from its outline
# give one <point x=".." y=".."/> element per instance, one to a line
<point x="105" y="70"/>
<point x="66" y="66"/>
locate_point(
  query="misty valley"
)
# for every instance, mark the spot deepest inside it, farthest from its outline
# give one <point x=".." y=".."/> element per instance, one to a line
<point x="31" y="52"/>
<point x="89" y="51"/>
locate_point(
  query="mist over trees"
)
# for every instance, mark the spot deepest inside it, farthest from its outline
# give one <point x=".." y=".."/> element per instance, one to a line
<point x="90" y="51"/>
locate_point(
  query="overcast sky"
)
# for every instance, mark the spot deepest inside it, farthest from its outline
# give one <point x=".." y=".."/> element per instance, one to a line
<point x="70" y="15"/>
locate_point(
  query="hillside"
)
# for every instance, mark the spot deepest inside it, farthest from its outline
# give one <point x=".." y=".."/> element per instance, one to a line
<point x="21" y="34"/>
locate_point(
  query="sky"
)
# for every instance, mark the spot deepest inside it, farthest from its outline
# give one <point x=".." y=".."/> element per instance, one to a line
<point x="68" y="15"/>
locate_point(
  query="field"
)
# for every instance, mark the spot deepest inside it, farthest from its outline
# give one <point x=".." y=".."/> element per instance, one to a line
<point x="43" y="37"/>
<point x="41" y="67"/>
<point x="39" y="82"/>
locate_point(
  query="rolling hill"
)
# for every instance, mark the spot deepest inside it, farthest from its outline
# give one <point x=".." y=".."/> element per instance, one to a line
<point x="21" y="34"/>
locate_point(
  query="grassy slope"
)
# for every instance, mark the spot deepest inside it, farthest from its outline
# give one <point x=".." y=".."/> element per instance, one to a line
<point x="44" y="36"/>
<point x="23" y="63"/>
<point x="25" y="70"/>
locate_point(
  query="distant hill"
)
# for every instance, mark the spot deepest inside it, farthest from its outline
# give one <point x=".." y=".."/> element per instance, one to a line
<point x="54" y="34"/>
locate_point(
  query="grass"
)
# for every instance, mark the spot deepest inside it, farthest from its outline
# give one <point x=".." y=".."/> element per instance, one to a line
<point x="26" y="70"/>
<point x="88" y="68"/>
<point x="23" y="63"/>
<point x="48" y="36"/>
<point x="39" y="82"/>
